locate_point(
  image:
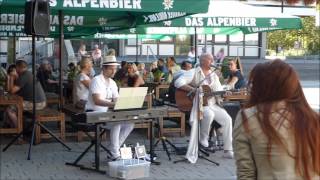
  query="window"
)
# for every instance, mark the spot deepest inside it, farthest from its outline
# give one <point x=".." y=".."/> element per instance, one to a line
<point x="236" y="39"/>
<point x="220" y="38"/>
<point x="252" y="39"/>
<point x="132" y="42"/>
<point x="201" y="39"/>
<point x="209" y="39"/>
<point x="182" y="39"/>
<point x="167" y="39"/>
<point x="149" y="41"/>
<point x="182" y="46"/>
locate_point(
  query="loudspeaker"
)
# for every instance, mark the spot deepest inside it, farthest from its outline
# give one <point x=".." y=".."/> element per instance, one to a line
<point x="37" y="18"/>
<point x="232" y="109"/>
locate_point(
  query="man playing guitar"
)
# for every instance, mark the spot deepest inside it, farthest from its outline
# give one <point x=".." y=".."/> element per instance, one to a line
<point x="198" y="77"/>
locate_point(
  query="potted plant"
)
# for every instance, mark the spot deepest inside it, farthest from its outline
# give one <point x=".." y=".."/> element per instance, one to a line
<point x="157" y="75"/>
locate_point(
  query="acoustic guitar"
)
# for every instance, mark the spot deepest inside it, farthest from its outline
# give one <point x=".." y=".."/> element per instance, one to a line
<point x="185" y="102"/>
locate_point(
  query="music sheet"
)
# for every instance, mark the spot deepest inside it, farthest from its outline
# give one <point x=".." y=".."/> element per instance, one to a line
<point x="130" y="98"/>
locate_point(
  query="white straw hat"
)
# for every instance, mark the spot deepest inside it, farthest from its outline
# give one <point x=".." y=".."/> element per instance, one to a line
<point x="109" y="60"/>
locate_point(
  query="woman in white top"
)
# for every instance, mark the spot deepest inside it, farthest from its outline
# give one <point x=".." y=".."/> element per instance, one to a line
<point x="82" y="51"/>
<point x="82" y="82"/>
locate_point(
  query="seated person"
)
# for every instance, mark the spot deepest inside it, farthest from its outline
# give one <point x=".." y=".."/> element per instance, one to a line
<point x="11" y="110"/>
<point x="172" y="68"/>
<point x="152" y="69"/>
<point x="45" y="77"/>
<point x="162" y="66"/>
<point x="81" y="83"/>
<point x="203" y="75"/>
<point x="12" y="75"/>
<point x="235" y="79"/>
<point x="142" y="71"/>
<point x="220" y="56"/>
<point x="120" y="76"/>
<point x="96" y="55"/>
<point x="185" y="66"/>
<point x="3" y="77"/>
<point x="103" y="92"/>
<point x="72" y="71"/>
<point x="23" y="86"/>
<point x="134" y="78"/>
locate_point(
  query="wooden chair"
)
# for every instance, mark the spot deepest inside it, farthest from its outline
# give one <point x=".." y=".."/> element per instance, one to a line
<point x="148" y="101"/>
<point x="174" y="113"/>
<point x="53" y="98"/>
<point x="48" y="115"/>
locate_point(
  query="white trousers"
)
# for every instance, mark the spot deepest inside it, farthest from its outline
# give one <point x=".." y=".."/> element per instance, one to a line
<point x="118" y="134"/>
<point x="220" y="115"/>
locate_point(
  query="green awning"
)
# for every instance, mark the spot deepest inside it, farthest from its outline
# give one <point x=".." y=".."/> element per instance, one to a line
<point x="89" y="17"/>
<point x="223" y="17"/>
<point x="124" y="36"/>
<point x="236" y="14"/>
<point x="178" y="30"/>
<point x="107" y="13"/>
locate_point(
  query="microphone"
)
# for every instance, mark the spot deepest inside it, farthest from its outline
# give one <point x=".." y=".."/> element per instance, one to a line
<point x="214" y="66"/>
<point x="218" y="65"/>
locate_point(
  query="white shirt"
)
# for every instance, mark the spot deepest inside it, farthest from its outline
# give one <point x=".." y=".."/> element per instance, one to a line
<point x="96" y="54"/>
<point x="191" y="54"/>
<point x="107" y="90"/>
<point x="194" y="76"/>
<point x="80" y="90"/>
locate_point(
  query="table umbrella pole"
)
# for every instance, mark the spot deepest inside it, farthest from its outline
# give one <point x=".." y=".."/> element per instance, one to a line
<point x="61" y="40"/>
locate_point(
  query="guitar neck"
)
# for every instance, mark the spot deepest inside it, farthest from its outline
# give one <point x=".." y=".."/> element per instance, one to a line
<point x="220" y="93"/>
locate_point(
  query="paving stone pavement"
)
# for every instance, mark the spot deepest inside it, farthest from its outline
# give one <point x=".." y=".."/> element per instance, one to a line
<point x="48" y="162"/>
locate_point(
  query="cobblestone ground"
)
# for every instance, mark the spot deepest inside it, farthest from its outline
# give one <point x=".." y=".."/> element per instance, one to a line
<point x="48" y="162"/>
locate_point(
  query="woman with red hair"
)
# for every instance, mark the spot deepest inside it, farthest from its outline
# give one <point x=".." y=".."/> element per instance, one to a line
<point x="277" y="134"/>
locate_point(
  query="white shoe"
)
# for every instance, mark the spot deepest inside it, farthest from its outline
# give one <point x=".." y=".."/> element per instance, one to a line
<point x="228" y="155"/>
<point x="148" y="158"/>
<point x="204" y="143"/>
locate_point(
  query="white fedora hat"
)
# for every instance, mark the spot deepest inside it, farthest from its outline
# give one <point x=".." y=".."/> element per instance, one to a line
<point x="109" y="60"/>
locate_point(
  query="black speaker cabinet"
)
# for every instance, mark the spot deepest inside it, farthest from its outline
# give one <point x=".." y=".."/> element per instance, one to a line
<point x="37" y="17"/>
<point x="232" y="109"/>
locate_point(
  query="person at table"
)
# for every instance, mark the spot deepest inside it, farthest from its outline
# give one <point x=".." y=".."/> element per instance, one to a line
<point x="134" y="78"/>
<point x="3" y="78"/>
<point x="96" y="55"/>
<point x="44" y="74"/>
<point x="185" y="66"/>
<point x="192" y="55"/>
<point x="276" y="135"/>
<point x="11" y="110"/>
<point x="81" y="83"/>
<point x="82" y="51"/>
<point x="103" y="93"/>
<point x="12" y="75"/>
<point x="172" y="68"/>
<point x="162" y="67"/>
<point x="211" y="111"/>
<point x="235" y="79"/>
<point x="220" y="56"/>
<point x="23" y="86"/>
<point x="142" y="70"/>
<point x="121" y="75"/>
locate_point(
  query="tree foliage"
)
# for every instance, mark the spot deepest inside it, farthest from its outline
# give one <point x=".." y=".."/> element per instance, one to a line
<point x="308" y="37"/>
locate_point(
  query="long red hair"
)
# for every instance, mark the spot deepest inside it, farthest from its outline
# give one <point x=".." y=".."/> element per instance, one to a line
<point x="277" y="81"/>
